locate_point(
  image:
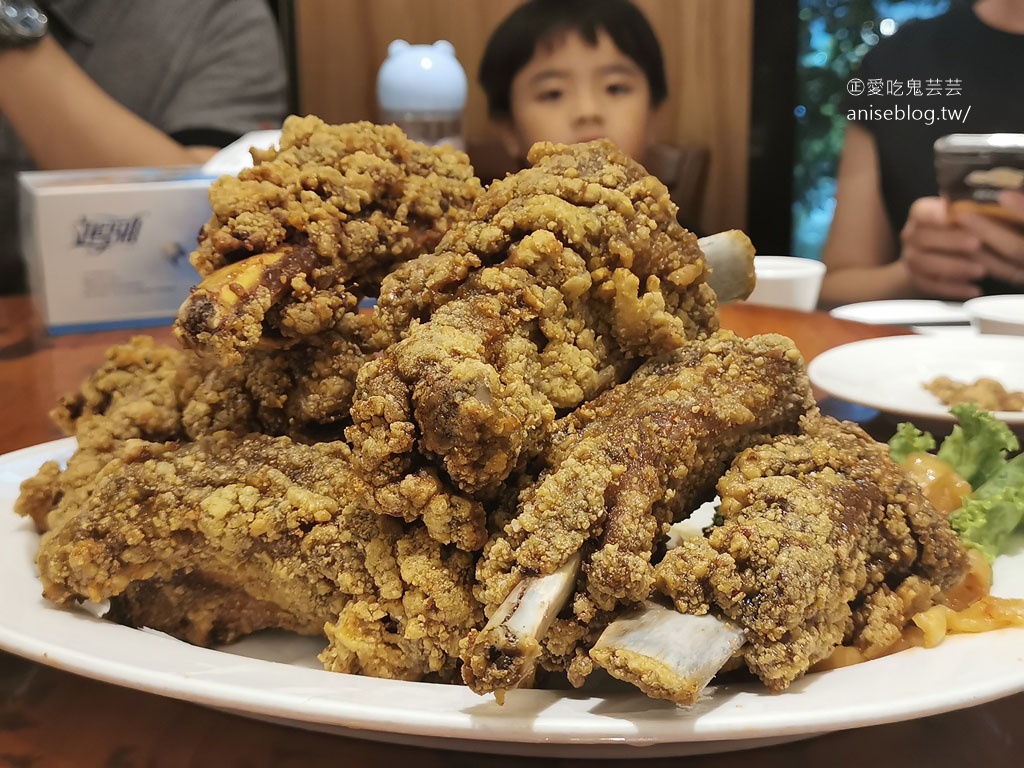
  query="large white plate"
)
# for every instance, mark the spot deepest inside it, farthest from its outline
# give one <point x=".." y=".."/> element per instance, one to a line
<point x="889" y="374"/>
<point x="276" y="677"/>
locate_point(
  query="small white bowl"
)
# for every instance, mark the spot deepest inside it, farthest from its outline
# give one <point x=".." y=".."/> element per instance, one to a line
<point x="997" y="314"/>
<point x="787" y="281"/>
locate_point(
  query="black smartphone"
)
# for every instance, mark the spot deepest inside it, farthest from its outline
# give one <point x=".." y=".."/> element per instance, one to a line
<point x="972" y="169"/>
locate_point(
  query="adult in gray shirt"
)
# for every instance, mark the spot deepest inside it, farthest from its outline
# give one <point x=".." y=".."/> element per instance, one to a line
<point x="132" y="83"/>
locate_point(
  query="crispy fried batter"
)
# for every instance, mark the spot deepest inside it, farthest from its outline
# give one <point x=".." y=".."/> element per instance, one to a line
<point x="563" y="277"/>
<point x="231" y="515"/>
<point x="312" y="227"/>
<point x="602" y="207"/>
<point x="412" y="627"/>
<point x="817" y="528"/>
<point x="134" y="390"/>
<point x="157" y="393"/>
<point x="218" y="538"/>
<point x="133" y="394"/>
<point x="623" y="468"/>
<point x="302" y="391"/>
<point x="210" y="496"/>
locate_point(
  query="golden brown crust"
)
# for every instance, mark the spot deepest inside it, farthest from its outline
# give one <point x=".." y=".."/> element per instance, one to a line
<point x="296" y="240"/>
<point x="562" y="278"/>
<point x="303" y="391"/>
<point x="629" y="463"/>
<point x="133" y="394"/>
<point x="360" y="194"/>
<point x="626" y="465"/>
<point x="211" y="495"/>
<point x="817" y="528"/>
<point x="412" y="632"/>
<point x="218" y="538"/>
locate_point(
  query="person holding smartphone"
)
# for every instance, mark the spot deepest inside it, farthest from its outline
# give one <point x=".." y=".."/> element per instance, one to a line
<point x="892" y="236"/>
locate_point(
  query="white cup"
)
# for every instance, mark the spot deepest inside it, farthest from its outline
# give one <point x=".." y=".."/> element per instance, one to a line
<point x="787" y="281"/>
<point x="997" y="314"/>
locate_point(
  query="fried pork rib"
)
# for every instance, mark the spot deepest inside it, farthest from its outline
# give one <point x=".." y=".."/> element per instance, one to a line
<point x="303" y="391"/>
<point x="621" y="469"/>
<point x="564" y="276"/>
<point x="605" y="210"/>
<point x="824" y="541"/>
<point x="133" y="394"/>
<point x="313" y="226"/>
<point x="543" y="380"/>
<point x="215" y="539"/>
<point x="293" y="244"/>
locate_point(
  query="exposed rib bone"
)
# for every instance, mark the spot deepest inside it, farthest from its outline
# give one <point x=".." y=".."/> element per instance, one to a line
<point x="730" y="258"/>
<point x="233" y="301"/>
<point x="666" y="654"/>
<point x="503" y="655"/>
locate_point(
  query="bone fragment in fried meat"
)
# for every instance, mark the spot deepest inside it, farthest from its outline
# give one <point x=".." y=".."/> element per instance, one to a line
<point x="642" y="455"/>
<point x="511" y="640"/>
<point x="670" y="655"/>
<point x="233" y="300"/>
<point x="730" y="259"/>
<point x="625" y="466"/>
<point x="823" y="541"/>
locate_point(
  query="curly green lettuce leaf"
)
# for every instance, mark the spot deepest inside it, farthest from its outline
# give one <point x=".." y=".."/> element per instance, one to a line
<point x="909" y="439"/>
<point x="995" y="509"/>
<point x="977" y="449"/>
<point x="978" y="444"/>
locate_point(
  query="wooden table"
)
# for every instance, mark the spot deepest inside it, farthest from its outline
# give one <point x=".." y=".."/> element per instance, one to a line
<point x="53" y="718"/>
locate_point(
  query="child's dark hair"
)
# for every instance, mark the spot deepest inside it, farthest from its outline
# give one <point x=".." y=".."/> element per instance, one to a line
<point x="536" y="21"/>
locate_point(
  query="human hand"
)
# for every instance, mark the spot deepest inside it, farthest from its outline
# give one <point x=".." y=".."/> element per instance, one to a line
<point x="1002" y="253"/>
<point x="941" y="257"/>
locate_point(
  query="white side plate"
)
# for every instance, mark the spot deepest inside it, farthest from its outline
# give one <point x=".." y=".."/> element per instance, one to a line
<point x="904" y="312"/>
<point x="889" y="374"/>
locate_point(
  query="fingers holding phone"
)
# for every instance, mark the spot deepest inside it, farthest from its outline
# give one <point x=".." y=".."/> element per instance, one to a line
<point x="941" y="258"/>
<point x="981" y="180"/>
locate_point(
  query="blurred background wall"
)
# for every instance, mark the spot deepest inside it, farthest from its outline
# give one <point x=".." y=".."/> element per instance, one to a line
<point x="758" y="84"/>
<point x="339" y="45"/>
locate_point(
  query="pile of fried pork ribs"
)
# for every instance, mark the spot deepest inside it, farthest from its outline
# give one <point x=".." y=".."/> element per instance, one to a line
<point x="473" y="480"/>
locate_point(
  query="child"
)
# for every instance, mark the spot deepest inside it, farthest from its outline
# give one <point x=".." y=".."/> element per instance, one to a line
<point x="574" y="70"/>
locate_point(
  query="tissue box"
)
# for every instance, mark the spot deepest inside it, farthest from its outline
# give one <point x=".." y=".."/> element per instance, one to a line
<point x="109" y="248"/>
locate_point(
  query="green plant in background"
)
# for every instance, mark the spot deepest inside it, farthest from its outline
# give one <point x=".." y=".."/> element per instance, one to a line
<point x="834" y="36"/>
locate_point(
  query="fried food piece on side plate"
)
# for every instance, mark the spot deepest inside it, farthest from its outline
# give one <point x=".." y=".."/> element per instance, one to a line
<point x="824" y="540"/>
<point x="215" y="539"/>
<point x="565" y="277"/>
<point x="621" y="469"/>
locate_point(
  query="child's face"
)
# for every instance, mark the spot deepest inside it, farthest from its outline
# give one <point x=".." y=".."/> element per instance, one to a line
<point x="571" y="91"/>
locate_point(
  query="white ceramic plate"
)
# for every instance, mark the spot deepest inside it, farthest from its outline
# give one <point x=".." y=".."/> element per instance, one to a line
<point x="889" y="374"/>
<point x="904" y="312"/>
<point x="276" y="677"/>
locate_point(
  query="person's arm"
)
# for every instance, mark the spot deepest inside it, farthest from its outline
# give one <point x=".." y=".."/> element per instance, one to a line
<point x="65" y="120"/>
<point x="860" y="251"/>
<point x="933" y="257"/>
